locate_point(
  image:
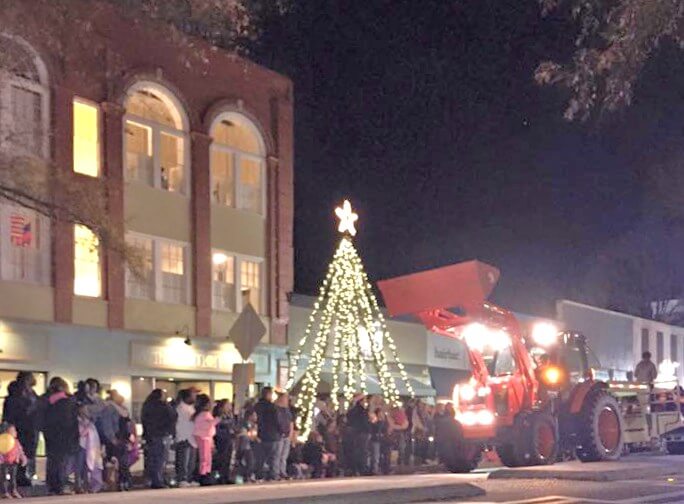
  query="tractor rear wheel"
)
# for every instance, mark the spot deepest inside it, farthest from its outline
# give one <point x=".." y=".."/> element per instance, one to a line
<point x="600" y="428"/>
<point x="459" y="455"/>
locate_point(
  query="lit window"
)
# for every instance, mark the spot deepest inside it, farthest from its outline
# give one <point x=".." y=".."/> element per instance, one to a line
<point x="140" y="284"/>
<point x="155" y="141"/>
<point x="250" y="284"/>
<point x="237" y="164"/>
<point x="87" y="270"/>
<point x="24" y="245"/>
<point x="173" y="281"/>
<point x="86" y="139"/>
<point x="223" y="285"/>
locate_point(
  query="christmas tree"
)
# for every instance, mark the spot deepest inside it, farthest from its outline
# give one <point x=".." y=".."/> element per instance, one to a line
<point x="347" y="319"/>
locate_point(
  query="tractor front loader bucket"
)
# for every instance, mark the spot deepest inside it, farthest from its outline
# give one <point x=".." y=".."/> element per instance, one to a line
<point x="465" y="286"/>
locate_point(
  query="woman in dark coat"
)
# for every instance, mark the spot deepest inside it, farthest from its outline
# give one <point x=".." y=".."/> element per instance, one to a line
<point x="60" y="428"/>
<point x="224" y="438"/>
<point x="18" y="410"/>
<point x="159" y="421"/>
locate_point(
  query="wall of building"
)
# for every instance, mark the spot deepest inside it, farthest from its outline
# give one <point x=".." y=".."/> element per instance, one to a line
<point x="616" y="338"/>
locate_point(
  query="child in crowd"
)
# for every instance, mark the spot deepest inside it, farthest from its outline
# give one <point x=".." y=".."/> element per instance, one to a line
<point x="246" y="439"/>
<point x="204" y="432"/>
<point x="89" y="465"/>
<point x="10" y="462"/>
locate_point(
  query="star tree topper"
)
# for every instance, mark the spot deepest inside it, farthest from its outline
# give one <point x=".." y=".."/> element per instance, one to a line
<point x="347" y="218"/>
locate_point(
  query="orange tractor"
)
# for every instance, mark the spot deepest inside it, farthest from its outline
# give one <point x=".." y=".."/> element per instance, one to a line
<point x="530" y="400"/>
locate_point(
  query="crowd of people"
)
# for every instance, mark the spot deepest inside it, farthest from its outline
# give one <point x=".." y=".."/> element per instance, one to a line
<point x="95" y="439"/>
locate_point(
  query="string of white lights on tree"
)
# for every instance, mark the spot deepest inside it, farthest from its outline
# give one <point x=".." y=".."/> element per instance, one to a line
<point x="346" y="316"/>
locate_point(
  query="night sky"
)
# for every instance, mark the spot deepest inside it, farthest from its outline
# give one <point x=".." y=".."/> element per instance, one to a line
<point x="426" y="116"/>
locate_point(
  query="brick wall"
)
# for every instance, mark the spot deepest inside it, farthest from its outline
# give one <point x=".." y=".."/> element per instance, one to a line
<point x="94" y="52"/>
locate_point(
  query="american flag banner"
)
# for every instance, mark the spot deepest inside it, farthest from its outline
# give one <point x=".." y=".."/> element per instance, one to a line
<point x="20" y="230"/>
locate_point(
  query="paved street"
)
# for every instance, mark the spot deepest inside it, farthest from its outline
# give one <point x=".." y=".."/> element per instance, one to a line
<point x="636" y="479"/>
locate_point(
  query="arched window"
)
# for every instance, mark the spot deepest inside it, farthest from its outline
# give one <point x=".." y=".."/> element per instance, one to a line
<point x="24" y="98"/>
<point x="24" y="120"/>
<point x="238" y="163"/>
<point x="156" y="138"/>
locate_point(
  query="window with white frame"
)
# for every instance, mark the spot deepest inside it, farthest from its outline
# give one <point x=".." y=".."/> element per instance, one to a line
<point x="236" y="281"/>
<point x="238" y="163"/>
<point x="24" y="245"/>
<point x="173" y="280"/>
<point x="87" y="263"/>
<point x="161" y="272"/>
<point x="140" y="280"/>
<point x="250" y="284"/>
<point x="223" y="283"/>
<point x="24" y="99"/>
<point x="155" y="133"/>
<point x="86" y="124"/>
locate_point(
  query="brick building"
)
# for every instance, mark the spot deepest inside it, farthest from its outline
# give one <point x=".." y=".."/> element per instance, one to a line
<point x="193" y="146"/>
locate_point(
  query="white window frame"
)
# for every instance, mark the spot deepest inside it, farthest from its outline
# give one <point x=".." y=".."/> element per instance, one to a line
<point x="7" y="80"/>
<point x="100" y="137"/>
<point x="45" y="250"/>
<point x="100" y="264"/>
<point x="157" y="285"/>
<point x="237" y="155"/>
<point x="156" y="130"/>
<point x="237" y="270"/>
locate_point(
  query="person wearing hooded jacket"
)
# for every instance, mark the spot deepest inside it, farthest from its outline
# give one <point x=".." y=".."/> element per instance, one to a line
<point x="18" y="410"/>
<point x="359" y="429"/>
<point x="60" y="428"/>
<point x="159" y="420"/>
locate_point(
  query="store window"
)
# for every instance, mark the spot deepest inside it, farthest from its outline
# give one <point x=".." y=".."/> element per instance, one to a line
<point x="161" y="272"/>
<point x="237" y="163"/>
<point x="156" y="139"/>
<point x="141" y="386"/>
<point x="223" y="284"/>
<point x="24" y="245"/>
<point x="8" y="376"/>
<point x="86" y="138"/>
<point x="87" y="264"/>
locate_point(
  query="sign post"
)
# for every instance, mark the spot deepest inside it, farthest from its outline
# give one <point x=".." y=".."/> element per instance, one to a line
<point x="246" y="333"/>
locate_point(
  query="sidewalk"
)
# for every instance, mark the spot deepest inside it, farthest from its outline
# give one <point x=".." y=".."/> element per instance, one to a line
<point x="367" y="490"/>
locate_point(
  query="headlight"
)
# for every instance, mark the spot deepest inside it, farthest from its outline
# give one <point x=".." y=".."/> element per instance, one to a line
<point x="544" y="334"/>
<point x="552" y="375"/>
<point x="466" y="392"/>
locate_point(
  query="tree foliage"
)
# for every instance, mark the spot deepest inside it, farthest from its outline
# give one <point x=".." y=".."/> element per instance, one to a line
<point x="230" y="24"/>
<point x="615" y="39"/>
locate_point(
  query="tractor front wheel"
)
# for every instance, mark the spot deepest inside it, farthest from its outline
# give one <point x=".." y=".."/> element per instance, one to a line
<point x="459" y="455"/>
<point x="600" y="428"/>
<point x="541" y="438"/>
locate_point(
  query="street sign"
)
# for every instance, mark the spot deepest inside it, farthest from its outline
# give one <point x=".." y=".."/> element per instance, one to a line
<point x="247" y="331"/>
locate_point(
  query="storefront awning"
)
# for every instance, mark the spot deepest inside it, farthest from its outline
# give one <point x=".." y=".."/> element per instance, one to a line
<point x="420" y="389"/>
<point x="443" y="379"/>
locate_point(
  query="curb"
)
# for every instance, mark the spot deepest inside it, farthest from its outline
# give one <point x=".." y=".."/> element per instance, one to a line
<point x="389" y="496"/>
<point x="624" y="473"/>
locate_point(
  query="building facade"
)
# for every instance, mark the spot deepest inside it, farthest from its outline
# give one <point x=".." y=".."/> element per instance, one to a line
<point x="192" y="148"/>
<point x="618" y="339"/>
